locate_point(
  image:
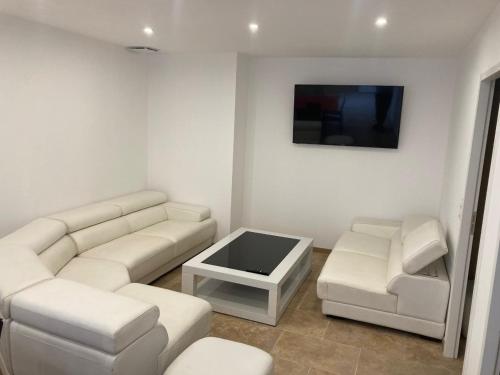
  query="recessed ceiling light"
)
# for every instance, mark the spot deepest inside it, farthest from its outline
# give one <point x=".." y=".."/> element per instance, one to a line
<point x="254" y="27"/>
<point x="148" y="31"/>
<point x="381" y="22"/>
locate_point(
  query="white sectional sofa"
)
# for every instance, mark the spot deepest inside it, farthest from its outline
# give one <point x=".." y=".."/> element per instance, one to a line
<point x="389" y="273"/>
<point x="72" y="293"/>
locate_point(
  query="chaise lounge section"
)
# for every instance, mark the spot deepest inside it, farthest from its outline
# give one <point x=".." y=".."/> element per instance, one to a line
<point x="389" y="273"/>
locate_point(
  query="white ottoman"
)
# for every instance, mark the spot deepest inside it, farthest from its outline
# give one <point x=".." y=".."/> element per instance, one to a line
<point x="214" y="356"/>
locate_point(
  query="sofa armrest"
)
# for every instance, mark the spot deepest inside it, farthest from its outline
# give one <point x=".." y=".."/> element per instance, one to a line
<point x="186" y="212"/>
<point x="102" y="320"/>
<point x="423" y="295"/>
<point x="376" y="227"/>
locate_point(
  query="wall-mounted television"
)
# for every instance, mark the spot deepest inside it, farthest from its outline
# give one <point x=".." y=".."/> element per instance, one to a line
<point x="363" y="116"/>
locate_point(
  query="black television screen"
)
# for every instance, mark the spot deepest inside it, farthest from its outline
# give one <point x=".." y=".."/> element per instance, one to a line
<point x="365" y="116"/>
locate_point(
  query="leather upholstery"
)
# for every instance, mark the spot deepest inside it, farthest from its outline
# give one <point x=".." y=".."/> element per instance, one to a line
<point x="215" y="356"/>
<point x="412" y="222"/>
<point x="67" y="313"/>
<point x="422" y="246"/>
<point x="20" y="268"/>
<point x="356" y="279"/>
<point x="86" y="216"/>
<point x="38" y="352"/>
<point x="138" y="201"/>
<point x="75" y="312"/>
<point x="364" y="244"/>
<point x="140" y="254"/>
<point x="185" y="317"/>
<point x="376" y="227"/>
<point x="186" y="212"/>
<point x="99" y="234"/>
<point x="59" y="254"/>
<point x="97" y="273"/>
<point x="382" y="280"/>
<point x="145" y="218"/>
<point x="185" y="234"/>
<point x="37" y="235"/>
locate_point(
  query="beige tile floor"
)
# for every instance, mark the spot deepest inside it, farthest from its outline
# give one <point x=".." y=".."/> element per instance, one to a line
<point x="305" y="342"/>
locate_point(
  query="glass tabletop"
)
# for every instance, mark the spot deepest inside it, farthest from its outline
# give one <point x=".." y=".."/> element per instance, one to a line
<point x="253" y="252"/>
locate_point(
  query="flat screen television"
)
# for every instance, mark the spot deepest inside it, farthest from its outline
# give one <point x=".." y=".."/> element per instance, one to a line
<point x="363" y="116"/>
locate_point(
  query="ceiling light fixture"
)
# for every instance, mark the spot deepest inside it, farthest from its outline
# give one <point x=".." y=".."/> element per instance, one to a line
<point x="254" y="27"/>
<point x="148" y="31"/>
<point x="381" y="22"/>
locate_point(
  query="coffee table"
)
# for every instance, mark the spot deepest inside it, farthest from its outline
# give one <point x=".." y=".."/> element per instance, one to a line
<point x="251" y="274"/>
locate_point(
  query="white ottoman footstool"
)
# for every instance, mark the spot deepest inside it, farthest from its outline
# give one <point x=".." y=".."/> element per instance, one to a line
<point x="214" y="356"/>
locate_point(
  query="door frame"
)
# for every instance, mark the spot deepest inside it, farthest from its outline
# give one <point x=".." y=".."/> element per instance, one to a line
<point x="459" y="277"/>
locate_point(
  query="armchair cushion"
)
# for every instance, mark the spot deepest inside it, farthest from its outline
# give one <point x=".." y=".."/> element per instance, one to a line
<point x="70" y="310"/>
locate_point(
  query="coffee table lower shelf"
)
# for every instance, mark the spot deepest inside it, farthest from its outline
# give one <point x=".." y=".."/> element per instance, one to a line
<point x="248" y="302"/>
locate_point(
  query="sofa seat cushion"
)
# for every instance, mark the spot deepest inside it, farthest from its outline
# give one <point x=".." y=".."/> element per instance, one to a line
<point x="185" y="317"/>
<point x="356" y="279"/>
<point x="215" y="356"/>
<point x="98" y="273"/>
<point x="140" y="254"/>
<point x="364" y="244"/>
<point x="185" y="234"/>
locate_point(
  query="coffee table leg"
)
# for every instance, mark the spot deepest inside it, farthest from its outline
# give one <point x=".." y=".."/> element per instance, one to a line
<point x="189" y="283"/>
<point x="273" y="303"/>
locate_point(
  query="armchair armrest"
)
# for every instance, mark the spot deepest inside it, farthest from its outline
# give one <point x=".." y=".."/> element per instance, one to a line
<point x="186" y="212"/>
<point x="102" y="320"/>
<point x="376" y="227"/>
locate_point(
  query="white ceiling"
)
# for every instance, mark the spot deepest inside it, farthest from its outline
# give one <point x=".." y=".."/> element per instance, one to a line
<point x="287" y="27"/>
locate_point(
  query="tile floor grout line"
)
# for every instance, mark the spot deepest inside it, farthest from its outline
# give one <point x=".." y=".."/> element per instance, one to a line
<point x="357" y="362"/>
<point x="276" y="342"/>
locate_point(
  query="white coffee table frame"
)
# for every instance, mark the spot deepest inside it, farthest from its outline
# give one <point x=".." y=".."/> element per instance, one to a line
<point x="244" y="294"/>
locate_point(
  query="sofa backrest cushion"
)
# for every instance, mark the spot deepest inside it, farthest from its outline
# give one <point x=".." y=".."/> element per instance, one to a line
<point x="412" y="222"/>
<point x="138" y="201"/>
<point x="87" y="216"/>
<point x="422" y="246"/>
<point x="99" y="234"/>
<point x="59" y="254"/>
<point x="20" y="268"/>
<point x="145" y="218"/>
<point x="37" y="235"/>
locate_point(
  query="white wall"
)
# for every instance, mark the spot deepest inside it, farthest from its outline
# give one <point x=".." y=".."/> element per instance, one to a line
<point x="239" y="142"/>
<point x="317" y="190"/>
<point x="72" y="121"/>
<point x="480" y="57"/>
<point x="191" y="129"/>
